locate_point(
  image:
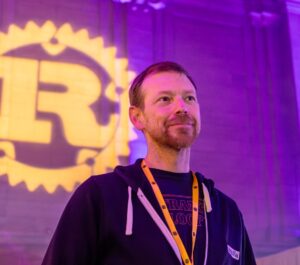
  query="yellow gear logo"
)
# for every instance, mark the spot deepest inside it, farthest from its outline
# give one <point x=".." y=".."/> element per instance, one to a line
<point x="60" y="106"/>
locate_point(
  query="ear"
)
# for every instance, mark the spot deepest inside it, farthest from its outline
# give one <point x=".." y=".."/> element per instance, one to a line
<point x="136" y="117"/>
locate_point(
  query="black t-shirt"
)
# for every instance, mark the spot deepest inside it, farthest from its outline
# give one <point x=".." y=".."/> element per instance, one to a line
<point x="176" y="189"/>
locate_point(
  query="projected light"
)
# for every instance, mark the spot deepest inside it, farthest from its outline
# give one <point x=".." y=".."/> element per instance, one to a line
<point x="63" y="106"/>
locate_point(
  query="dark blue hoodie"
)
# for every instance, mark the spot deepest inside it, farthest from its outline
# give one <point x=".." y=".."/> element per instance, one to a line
<point x="114" y="219"/>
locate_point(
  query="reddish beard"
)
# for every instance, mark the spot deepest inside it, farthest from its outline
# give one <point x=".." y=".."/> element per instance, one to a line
<point x="180" y="131"/>
<point x="175" y="133"/>
<point x="181" y="119"/>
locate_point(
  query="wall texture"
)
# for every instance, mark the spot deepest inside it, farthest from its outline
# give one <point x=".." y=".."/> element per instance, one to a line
<point x="243" y="61"/>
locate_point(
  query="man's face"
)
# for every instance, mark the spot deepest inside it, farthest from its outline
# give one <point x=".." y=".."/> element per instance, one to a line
<point x="171" y="115"/>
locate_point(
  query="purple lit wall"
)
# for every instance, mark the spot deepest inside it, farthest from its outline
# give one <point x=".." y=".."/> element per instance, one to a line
<point x="293" y="8"/>
<point x="244" y="58"/>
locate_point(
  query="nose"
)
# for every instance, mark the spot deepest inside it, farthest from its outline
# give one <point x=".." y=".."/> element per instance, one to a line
<point x="181" y="106"/>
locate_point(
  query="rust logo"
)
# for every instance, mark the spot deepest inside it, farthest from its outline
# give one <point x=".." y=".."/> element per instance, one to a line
<point x="63" y="106"/>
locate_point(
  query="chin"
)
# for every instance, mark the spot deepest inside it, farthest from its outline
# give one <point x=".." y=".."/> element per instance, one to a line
<point x="182" y="140"/>
<point x="179" y="144"/>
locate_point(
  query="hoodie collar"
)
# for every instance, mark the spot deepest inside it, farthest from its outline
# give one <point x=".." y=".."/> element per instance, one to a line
<point x="134" y="176"/>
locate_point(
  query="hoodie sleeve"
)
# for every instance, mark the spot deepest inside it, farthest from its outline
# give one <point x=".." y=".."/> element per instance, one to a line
<point x="248" y="256"/>
<point x="76" y="239"/>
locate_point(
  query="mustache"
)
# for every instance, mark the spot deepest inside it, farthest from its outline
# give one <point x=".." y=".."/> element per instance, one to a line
<point x="182" y="118"/>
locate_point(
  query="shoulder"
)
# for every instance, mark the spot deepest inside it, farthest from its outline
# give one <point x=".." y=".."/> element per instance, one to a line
<point x="224" y="199"/>
<point x="106" y="184"/>
<point x="220" y="201"/>
<point x="102" y="179"/>
<point x="98" y="183"/>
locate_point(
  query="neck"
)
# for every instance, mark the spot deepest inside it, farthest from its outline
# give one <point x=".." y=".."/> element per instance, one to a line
<point x="168" y="159"/>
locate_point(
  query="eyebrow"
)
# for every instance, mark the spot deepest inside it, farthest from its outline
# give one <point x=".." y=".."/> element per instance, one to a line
<point x="170" y="91"/>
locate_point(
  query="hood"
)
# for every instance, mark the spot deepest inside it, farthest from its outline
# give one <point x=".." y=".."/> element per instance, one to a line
<point x="134" y="176"/>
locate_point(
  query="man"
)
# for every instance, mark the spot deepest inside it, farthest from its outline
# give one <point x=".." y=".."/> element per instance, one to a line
<point x="156" y="211"/>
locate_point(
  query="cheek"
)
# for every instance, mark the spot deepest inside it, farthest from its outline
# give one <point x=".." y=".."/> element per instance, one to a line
<point x="195" y="114"/>
<point x="199" y="118"/>
<point x="194" y="111"/>
<point x="199" y="123"/>
<point x="158" y="123"/>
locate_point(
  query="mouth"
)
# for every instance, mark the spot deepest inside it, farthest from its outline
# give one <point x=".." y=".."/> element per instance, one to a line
<point x="181" y="126"/>
<point x="181" y="122"/>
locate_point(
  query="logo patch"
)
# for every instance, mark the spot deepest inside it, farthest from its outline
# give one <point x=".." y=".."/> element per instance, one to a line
<point x="233" y="253"/>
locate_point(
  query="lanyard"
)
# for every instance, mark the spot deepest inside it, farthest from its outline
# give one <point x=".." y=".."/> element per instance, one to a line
<point x="195" y="198"/>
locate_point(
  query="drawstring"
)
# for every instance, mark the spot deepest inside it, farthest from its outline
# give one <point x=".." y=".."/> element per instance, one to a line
<point x="206" y="199"/>
<point x="129" y="220"/>
<point x="206" y="237"/>
<point x="159" y="222"/>
<point x="207" y="209"/>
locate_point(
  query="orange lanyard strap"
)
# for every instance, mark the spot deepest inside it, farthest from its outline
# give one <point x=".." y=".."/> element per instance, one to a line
<point x="195" y="197"/>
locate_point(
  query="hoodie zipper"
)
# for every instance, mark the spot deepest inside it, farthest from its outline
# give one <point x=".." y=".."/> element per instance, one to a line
<point x="159" y="222"/>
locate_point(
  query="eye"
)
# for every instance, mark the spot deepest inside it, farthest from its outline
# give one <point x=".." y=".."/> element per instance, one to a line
<point x="190" y="98"/>
<point x="164" y="99"/>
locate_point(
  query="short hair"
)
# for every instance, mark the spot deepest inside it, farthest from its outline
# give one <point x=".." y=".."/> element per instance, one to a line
<point x="135" y="92"/>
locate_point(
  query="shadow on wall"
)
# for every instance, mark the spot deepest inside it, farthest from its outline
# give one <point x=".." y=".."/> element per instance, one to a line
<point x="21" y="254"/>
<point x="288" y="257"/>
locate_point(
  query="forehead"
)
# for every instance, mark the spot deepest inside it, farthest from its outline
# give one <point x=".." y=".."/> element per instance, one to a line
<point x="167" y="81"/>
